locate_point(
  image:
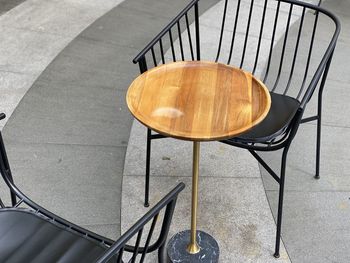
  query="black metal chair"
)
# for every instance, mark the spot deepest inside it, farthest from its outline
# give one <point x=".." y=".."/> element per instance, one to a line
<point x="292" y="69"/>
<point x="30" y="233"/>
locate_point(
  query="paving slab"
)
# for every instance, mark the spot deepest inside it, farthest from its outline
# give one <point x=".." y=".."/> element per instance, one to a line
<point x="65" y="110"/>
<point x="70" y="114"/>
<point x="26" y="51"/>
<point x="76" y="182"/>
<point x="6" y="5"/>
<point x="340" y="7"/>
<point x="94" y="64"/>
<point x="65" y="18"/>
<point x="13" y="87"/>
<point x="120" y="37"/>
<point x="34" y="32"/>
<point x="316" y="225"/>
<point x="133" y="35"/>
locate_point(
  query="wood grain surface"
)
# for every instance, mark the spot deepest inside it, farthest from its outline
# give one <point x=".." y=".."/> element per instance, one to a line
<point x="198" y="100"/>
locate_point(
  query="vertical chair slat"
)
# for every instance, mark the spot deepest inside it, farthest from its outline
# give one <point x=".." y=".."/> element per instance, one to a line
<point x="272" y="41"/>
<point x="295" y="51"/>
<point x="161" y="50"/>
<point x="222" y="30"/>
<point x="309" y="55"/>
<point x="149" y="236"/>
<point x="247" y="33"/>
<point x="260" y="37"/>
<point x="234" y="31"/>
<point x="196" y="22"/>
<point x="120" y="255"/>
<point x="172" y="45"/>
<point x="143" y="65"/>
<point x="189" y="36"/>
<point x="180" y="41"/>
<point x="1" y="204"/>
<point x="137" y="245"/>
<point x="154" y="57"/>
<point x="283" y="48"/>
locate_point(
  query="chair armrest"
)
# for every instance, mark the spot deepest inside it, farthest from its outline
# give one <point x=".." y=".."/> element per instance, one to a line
<point x="119" y="246"/>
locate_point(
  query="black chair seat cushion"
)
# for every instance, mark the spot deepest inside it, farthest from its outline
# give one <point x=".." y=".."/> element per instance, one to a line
<point x="28" y="237"/>
<point x="282" y="111"/>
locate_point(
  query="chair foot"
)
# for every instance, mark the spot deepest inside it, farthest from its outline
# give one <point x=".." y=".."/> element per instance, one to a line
<point x="146" y="204"/>
<point x="276" y="255"/>
<point x="317" y="176"/>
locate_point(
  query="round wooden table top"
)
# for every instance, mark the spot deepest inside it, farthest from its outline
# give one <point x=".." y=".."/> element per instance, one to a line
<point x="198" y="100"/>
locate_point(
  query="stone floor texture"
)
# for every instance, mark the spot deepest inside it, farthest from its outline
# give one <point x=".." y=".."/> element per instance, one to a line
<point x="33" y="32"/>
<point x="73" y="146"/>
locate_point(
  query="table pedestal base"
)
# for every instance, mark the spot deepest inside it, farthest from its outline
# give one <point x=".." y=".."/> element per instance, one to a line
<point x="177" y="248"/>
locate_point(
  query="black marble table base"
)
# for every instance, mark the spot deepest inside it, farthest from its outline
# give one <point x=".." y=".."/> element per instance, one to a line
<point x="177" y="248"/>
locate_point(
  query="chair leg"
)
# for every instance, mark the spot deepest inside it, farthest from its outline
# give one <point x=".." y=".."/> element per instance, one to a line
<point x="318" y="146"/>
<point x="162" y="257"/>
<point x="280" y="204"/>
<point x="148" y="163"/>
<point x="318" y="138"/>
<point x="7" y="167"/>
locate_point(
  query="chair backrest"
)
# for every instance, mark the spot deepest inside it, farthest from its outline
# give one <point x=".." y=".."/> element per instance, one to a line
<point x="179" y="35"/>
<point x="280" y="42"/>
<point x="147" y="224"/>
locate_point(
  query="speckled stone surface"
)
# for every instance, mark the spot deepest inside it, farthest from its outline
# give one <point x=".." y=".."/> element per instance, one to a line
<point x="177" y="248"/>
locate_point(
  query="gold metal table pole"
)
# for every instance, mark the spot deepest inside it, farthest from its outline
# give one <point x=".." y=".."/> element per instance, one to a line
<point x="193" y="247"/>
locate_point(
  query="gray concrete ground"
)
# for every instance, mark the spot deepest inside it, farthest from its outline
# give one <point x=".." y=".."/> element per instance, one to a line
<point x="32" y="34"/>
<point x="6" y="5"/>
<point x="68" y="136"/>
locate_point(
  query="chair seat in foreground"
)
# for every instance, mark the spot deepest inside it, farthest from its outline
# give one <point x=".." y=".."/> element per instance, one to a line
<point x="27" y="236"/>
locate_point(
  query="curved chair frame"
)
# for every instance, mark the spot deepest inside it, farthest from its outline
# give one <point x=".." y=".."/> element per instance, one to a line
<point x="283" y="137"/>
<point x="114" y="249"/>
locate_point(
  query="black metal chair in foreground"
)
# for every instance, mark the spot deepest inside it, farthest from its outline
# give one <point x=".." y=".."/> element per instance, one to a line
<point x="30" y="233"/>
<point x="282" y="43"/>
